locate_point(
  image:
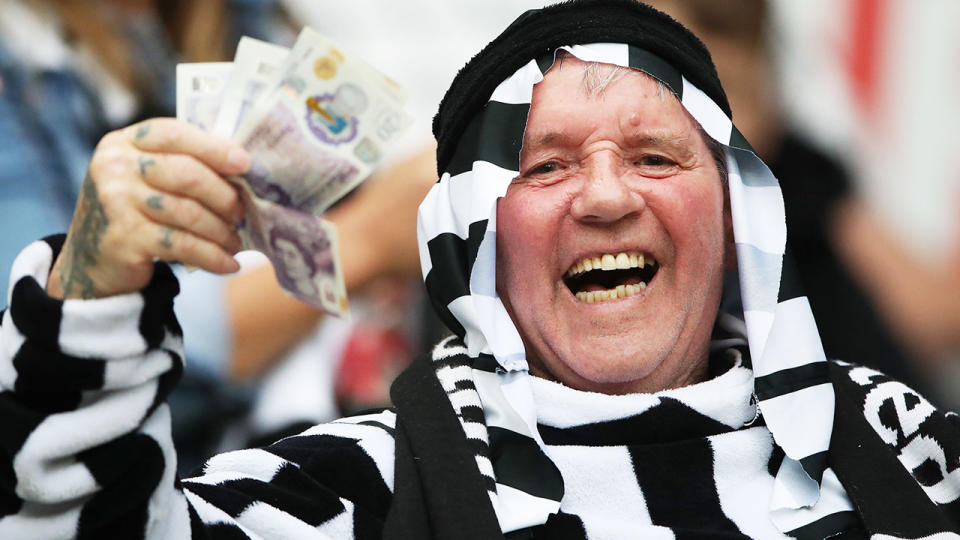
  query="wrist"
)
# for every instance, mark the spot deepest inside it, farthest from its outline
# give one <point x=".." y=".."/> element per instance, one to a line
<point x="54" y="282"/>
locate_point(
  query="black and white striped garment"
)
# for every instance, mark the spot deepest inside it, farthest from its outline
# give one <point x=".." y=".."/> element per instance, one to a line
<point x="86" y="433"/>
<point x="87" y="450"/>
<point x="457" y="233"/>
<point x="697" y="460"/>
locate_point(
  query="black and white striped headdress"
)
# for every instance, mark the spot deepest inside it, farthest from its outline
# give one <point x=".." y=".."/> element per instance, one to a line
<point x="479" y="130"/>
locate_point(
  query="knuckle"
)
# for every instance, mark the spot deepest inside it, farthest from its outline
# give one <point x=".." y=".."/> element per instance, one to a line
<point x="108" y="159"/>
<point x="171" y="135"/>
<point x="111" y="193"/>
<point x="185" y="243"/>
<point x="114" y="245"/>
<point x="231" y="199"/>
<point x="138" y="230"/>
<point x="132" y="263"/>
<point x="222" y="234"/>
<point x="189" y="212"/>
<point x="187" y="181"/>
<point x="113" y="138"/>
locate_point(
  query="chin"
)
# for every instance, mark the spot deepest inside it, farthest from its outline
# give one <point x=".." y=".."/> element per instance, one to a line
<point x="609" y="370"/>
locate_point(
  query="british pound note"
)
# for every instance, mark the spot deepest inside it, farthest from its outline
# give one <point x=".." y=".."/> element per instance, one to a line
<point x="315" y="121"/>
<point x="331" y="117"/>
<point x="200" y="88"/>
<point x="256" y="70"/>
<point x="303" y="250"/>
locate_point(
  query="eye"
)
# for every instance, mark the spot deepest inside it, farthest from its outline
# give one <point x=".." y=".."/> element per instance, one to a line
<point x="654" y="160"/>
<point x="544" y="168"/>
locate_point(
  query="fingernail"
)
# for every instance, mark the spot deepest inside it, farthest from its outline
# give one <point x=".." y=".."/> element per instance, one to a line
<point x="238" y="159"/>
<point x="230" y="265"/>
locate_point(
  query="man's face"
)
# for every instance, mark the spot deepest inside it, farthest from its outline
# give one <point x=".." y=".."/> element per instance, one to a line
<point x="623" y="172"/>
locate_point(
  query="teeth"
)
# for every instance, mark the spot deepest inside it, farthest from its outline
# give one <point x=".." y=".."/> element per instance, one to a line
<point x="621" y="291"/>
<point x="609" y="261"/>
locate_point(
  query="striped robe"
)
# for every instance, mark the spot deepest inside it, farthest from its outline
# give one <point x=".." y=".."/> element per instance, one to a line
<point x="88" y="453"/>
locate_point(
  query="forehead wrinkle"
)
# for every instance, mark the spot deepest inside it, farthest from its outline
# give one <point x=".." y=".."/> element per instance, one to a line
<point x="550" y="138"/>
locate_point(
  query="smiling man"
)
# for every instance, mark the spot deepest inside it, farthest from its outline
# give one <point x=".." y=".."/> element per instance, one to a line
<point x="620" y="204"/>
<point x="605" y="378"/>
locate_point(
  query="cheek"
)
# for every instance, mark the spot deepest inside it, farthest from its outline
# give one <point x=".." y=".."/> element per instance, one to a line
<point x="692" y="217"/>
<point x="527" y="230"/>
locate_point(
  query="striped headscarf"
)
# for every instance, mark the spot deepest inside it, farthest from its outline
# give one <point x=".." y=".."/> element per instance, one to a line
<point x="480" y="129"/>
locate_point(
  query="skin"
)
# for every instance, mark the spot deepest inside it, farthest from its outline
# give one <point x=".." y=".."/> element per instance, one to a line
<point x="155" y="190"/>
<point x="625" y="170"/>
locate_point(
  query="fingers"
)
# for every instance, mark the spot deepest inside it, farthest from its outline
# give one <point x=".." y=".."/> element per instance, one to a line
<point x="167" y="135"/>
<point x="174" y="244"/>
<point x="188" y="215"/>
<point x="185" y="176"/>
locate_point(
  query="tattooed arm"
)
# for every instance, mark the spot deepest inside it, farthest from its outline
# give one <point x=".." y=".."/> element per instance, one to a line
<point x="153" y="191"/>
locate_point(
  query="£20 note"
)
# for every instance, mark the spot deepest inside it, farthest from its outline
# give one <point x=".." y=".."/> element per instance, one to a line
<point x="332" y="114"/>
<point x="303" y="250"/>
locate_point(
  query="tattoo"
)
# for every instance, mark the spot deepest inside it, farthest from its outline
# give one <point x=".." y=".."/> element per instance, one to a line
<point x="91" y="222"/>
<point x="155" y="202"/>
<point x="142" y="131"/>
<point x="167" y="241"/>
<point x="144" y="162"/>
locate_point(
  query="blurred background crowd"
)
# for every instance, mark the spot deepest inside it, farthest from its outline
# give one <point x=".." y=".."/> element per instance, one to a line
<point x="852" y="103"/>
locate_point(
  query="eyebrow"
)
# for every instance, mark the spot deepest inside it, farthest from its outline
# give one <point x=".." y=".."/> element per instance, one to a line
<point x="658" y="139"/>
<point x="678" y="143"/>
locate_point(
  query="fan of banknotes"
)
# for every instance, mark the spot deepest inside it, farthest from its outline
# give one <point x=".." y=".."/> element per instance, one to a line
<point x="316" y="121"/>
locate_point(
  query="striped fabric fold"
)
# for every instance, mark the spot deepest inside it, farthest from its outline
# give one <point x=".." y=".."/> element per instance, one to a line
<point x="457" y="237"/>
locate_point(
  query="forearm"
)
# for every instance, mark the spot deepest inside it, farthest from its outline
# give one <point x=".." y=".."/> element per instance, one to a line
<point x="921" y="303"/>
<point x="83" y="387"/>
<point x="265" y="321"/>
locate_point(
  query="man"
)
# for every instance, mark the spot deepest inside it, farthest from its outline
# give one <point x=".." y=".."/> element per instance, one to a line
<point x="575" y="244"/>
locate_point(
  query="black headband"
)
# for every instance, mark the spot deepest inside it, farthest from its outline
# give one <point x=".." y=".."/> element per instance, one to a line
<point x="539" y="32"/>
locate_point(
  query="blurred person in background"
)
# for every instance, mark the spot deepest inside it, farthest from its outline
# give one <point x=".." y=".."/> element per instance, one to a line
<point x="869" y="309"/>
<point x="72" y="70"/>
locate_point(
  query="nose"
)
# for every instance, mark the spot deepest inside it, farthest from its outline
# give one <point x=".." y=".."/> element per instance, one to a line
<point x="604" y="195"/>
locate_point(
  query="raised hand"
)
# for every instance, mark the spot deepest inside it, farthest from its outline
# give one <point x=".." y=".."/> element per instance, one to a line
<point x="154" y="190"/>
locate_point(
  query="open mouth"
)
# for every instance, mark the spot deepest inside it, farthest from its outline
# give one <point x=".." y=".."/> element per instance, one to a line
<point x="605" y="277"/>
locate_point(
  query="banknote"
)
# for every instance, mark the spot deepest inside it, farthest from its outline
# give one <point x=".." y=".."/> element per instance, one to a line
<point x="200" y="88"/>
<point x="256" y="70"/>
<point x="316" y="122"/>
<point x="331" y="117"/>
<point x="302" y="248"/>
